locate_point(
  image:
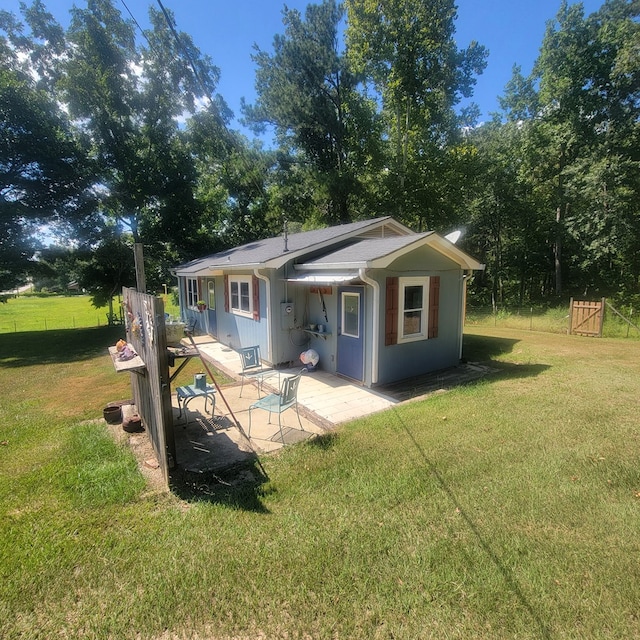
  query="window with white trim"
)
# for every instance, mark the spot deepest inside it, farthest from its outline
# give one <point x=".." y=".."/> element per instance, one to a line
<point x="192" y="292"/>
<point x="350" y="314"/>
<point x="241" y="295"/>
<point x="412" y="304"/>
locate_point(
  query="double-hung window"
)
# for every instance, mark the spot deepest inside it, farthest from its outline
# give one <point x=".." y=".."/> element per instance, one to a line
<point x="241" y="295"/>
<point x="192" y="292"/>
<point x="414" y="295"/>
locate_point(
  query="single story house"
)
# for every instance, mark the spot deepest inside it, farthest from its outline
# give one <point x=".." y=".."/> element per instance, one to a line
<point x="376" y="301"/>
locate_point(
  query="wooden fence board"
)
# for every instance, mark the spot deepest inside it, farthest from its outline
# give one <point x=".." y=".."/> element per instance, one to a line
<point x="145" y="327"/>
<point x="586" y="317"/>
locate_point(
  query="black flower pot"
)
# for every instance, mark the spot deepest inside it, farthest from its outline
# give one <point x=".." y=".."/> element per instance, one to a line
<point x="112" y="414"/>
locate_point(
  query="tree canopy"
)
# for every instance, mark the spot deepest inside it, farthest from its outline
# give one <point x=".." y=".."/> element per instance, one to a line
<point x="575" y="123"/>
<point x="308" y="93"/>
<point x="117" y="135"/>
<point x="44" y="173"/>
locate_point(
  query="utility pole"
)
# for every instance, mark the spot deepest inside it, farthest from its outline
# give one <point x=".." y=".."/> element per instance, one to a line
<point x="138" y="255"/>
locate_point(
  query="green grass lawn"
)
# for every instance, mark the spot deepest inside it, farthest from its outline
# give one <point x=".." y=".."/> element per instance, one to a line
<point x="45" y="313"/>
<point x="509" y="508"/>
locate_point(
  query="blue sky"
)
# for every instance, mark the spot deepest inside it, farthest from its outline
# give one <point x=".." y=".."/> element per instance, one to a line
<point x="512" y="31"/>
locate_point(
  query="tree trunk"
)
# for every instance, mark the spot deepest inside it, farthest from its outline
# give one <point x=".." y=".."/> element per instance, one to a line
<point x="403" y="119"/>
<point x="110" y="310"/>
<point x="557" y="244"/>
<point x="557" y="251"/>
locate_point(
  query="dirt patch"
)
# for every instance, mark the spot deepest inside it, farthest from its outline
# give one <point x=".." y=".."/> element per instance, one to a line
<point x="140" y="445"/>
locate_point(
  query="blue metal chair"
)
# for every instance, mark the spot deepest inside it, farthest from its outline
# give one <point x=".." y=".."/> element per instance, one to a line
<point x="280" y="402"/>
<point x="252" y="367"/>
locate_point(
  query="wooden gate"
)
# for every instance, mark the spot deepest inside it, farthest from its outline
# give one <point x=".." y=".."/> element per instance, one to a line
<point x="145" y="325"/>
<point x="586" y="318"/>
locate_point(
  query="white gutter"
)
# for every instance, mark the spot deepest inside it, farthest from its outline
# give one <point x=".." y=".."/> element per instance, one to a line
<point x="463" y="311"/>
<point x="319" y="278"/>
<point x="269" y="314"/>
<point x="376" y="323"/>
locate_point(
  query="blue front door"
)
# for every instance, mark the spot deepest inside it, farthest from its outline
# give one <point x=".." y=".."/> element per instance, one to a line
<point x="350" y="347"/>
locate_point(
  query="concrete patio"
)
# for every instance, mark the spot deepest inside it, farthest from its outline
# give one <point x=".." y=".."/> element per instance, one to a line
<point x="209" y="443"/>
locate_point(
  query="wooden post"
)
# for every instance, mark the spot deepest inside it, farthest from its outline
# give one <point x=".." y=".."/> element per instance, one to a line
<point x="138" y="255"/>
<point x="601" y="317"/>
<point x="569" y="329"/>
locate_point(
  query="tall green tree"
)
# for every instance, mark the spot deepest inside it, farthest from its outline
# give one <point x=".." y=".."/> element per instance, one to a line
<point x="307" y="92"/>
<point x="506" y="229"/>
<point x="407" y="50"/>
<point x="130" y="93"/>
<point x="561" y="72"/>
<point x="44" y="172"/>
<point x="586" y="156"/>
<point x="519" y="102"/>
<point x="57" y="268"/>
<point x="233" y="185"/>
<point x="107" y="268"/>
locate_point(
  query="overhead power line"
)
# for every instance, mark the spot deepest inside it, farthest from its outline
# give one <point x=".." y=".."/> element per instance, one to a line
<point x="185" y="51"/>
<point x="135" y="21"/>
<point x="230" y="139"/>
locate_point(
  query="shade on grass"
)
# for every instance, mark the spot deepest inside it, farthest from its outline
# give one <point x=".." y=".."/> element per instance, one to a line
<point x="506" y="508"/>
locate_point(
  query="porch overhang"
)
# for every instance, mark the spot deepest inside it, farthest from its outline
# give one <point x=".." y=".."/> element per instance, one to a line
<point x="321" y="278"/>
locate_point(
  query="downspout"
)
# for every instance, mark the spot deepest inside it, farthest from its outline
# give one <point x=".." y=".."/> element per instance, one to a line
<point x="269" y="314"/>
<point x="376" y="323"/>
<point x="463" y="311"/>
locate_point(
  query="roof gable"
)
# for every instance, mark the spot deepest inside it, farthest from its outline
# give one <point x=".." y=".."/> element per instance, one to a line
<point x="364" y="251"/>
<point x="381" y="252"/>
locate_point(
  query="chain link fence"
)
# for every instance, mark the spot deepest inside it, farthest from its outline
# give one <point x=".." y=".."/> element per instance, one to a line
<point x="17" y="325"/>
<point x="618" y="323"/>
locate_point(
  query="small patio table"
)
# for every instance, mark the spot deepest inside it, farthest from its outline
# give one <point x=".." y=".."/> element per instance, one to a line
<point x="189" y="392"/>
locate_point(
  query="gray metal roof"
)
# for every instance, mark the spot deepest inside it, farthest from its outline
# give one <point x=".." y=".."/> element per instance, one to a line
<point x="366" y="250"/>
<point x="381" y="252"/>
<point x="271" y="251"/>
